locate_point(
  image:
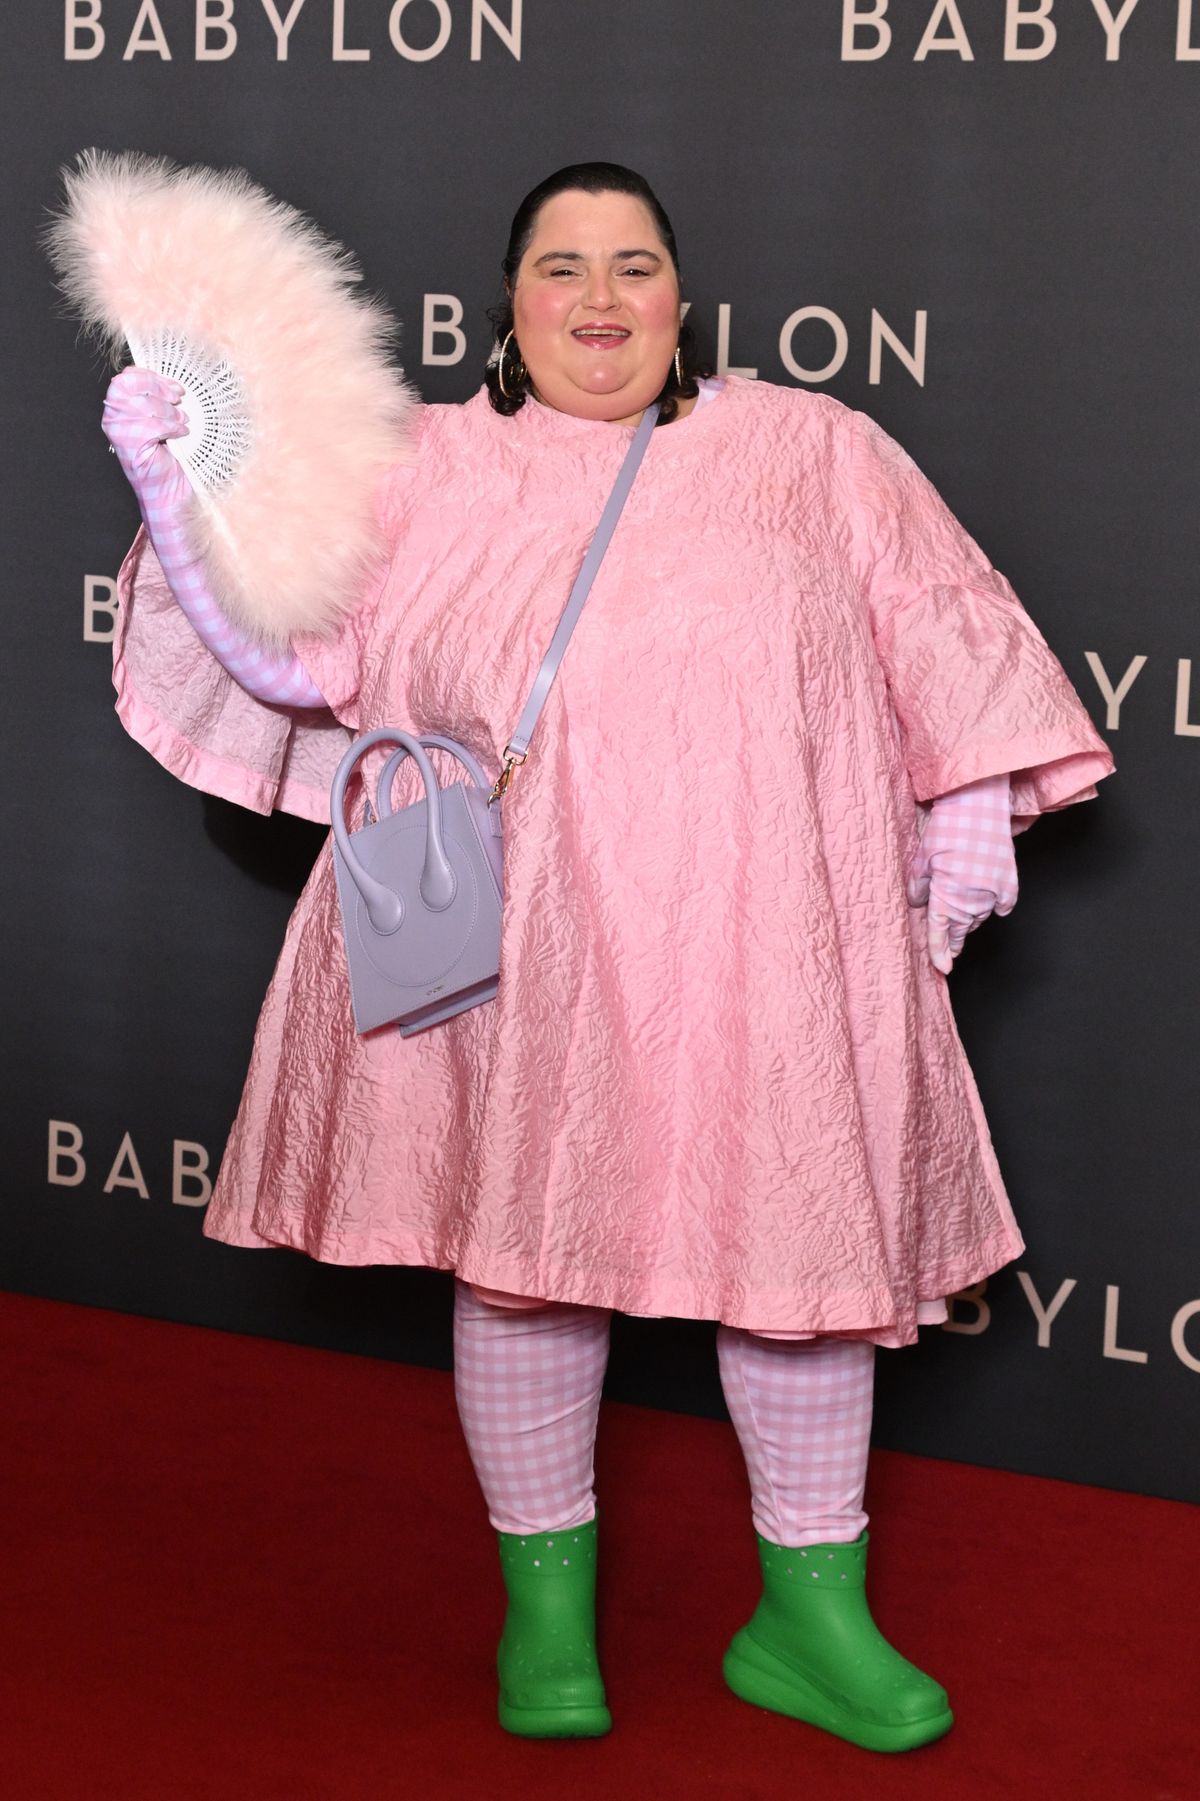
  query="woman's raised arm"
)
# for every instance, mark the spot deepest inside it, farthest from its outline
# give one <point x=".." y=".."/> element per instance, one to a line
<point x="141" y="412"/>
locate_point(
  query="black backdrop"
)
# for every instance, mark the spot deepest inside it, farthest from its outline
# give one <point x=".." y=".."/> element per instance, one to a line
<point x="1029" y="191"/>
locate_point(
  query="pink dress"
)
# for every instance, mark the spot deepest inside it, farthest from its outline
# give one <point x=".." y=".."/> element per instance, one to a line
<point x="721" y="1079"/>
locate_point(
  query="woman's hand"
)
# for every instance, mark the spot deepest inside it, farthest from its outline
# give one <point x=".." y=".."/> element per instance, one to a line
<point x="964" y="867"/>
<point x="141" y="411"/>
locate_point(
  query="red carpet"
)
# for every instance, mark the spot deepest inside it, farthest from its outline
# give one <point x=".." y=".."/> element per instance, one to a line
<point x="248" y="1571"/>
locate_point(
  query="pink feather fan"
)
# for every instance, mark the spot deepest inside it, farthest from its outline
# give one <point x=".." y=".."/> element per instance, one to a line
<point x="296" y="406"/>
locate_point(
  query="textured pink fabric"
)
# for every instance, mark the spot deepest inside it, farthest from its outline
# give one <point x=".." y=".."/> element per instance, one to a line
<point x="528" y="1388"/>
<point x="140" y="413"/>
<point x="721" y="1078"/>
<point x="802" y="1413"/>
<point x="178" y="701"/>
<point x="964" y="868"/>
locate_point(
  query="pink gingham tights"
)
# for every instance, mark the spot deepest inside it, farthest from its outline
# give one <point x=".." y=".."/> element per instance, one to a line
<point x="528" y="1382"/>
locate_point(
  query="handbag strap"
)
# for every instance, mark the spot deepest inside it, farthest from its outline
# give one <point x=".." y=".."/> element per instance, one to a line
<point x="517" y="748"/>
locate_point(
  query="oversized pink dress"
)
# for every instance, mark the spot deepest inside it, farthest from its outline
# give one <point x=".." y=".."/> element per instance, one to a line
<point x="721" y="1078"/>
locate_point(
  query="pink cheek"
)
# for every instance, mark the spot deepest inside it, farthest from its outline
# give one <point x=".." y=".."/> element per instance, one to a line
<point x="660" y="312"/>
<point x="546" y="312"/>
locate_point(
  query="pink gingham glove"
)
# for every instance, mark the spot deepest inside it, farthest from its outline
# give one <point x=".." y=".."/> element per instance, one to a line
<point x="964" y="867"/>
<point x="141" y="412"/>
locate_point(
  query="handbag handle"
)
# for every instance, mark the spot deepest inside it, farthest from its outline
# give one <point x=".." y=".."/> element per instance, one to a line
<point x="431" y="741"/>
<point x="438" y="884"/>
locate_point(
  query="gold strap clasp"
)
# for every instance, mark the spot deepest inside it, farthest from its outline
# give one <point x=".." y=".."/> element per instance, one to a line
<point x="511" y="759"/>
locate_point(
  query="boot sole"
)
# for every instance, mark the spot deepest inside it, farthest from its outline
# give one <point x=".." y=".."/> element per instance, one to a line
<point x="754" y="1675"/>
<point x="555" y="1722"/>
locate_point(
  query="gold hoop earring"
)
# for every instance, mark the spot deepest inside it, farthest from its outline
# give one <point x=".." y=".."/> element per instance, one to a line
<point x="678" y="369"/>
<point x="500" y="368"/>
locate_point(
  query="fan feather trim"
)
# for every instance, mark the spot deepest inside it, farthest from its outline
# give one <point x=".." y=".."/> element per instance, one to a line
<point x="290" y="543"/>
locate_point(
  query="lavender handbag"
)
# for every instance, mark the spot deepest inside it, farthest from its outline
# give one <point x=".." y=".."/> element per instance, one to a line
<point x="420" y="890"/>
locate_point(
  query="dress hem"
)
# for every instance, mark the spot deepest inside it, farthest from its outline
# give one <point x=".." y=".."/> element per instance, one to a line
<point x="882" y="1325"/>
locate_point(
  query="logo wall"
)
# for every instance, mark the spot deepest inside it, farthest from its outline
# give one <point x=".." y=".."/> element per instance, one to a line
<point x="1017" y="31"/>
<point x="971" y="1315"/>
<point x="66" y="1166"/>
<point x="353" y="31"/>
<point x="417" y="30"/>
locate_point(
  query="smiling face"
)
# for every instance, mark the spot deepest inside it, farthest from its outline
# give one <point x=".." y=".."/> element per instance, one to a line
<point x="596" y="306"/>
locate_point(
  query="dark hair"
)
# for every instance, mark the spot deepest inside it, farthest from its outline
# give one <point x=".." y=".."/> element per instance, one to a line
<point x="587" y="178"/>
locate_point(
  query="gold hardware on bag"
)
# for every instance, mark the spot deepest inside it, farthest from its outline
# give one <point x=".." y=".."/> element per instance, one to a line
<point x="511" y="759"/>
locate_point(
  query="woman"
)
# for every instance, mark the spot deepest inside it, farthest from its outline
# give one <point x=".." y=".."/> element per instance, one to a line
<point x="721" y="1078"/>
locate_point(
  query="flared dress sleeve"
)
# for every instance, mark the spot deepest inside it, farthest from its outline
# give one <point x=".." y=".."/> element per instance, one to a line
<point x="976" y="689"/>
<point x="177" y="701"/>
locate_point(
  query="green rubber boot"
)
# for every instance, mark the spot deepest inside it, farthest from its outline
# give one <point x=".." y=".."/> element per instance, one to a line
<point x="813" y="1651"/>
<point x="550" y="1683"/>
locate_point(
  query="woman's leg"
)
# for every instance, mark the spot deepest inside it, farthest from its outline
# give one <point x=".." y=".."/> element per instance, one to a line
<point x="528" y="1379"/>
<point x="802" y="1411"/>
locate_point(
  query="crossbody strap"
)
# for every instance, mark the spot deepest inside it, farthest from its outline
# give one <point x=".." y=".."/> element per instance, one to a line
<point x="516" y="750"/>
